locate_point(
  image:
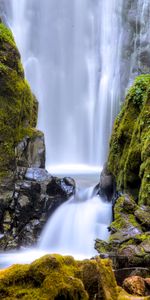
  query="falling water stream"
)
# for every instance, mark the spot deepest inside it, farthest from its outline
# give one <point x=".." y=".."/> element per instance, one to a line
<point x="72" y="53"/>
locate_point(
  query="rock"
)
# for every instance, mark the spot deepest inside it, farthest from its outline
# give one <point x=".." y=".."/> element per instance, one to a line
<point x="18" y="106"/>
<point x="122" y="274"/>
<point x="138" y="253"/>
<point x="25" y="211"/>
<point x="107" y="183"/>
<point x="36" y="152"/>
<point x="63" y="187"/>
<point x="128" y="159"/>
<point x="56" y="277"/>
<point x="143" y="216"/>
<point x="37" y="174"/>
<point x="102" y="246"/>
<point x="30" y="152"/>
<point x="134" y="285"/>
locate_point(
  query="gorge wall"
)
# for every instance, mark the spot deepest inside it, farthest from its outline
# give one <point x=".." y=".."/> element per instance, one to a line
<point x="129" y="163"/>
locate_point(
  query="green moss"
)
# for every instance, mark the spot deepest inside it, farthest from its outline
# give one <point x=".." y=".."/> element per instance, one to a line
<point x="130" y="143"/>
<point x="107" y="278"/>
<point x="9" y="54"/>
<point x="18" y="106"/>
<point x="6" y="35"/>
<point x="54" y="277"/>
<point x="51" y="277"/>
<point x="123" y="295"/>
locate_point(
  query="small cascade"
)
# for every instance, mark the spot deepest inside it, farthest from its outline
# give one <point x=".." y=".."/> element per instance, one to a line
<point x="75" y="225"/>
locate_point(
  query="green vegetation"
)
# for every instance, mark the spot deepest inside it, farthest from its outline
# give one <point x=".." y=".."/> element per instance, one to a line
<point x="129" y="159"/>
<point x="18" y="106"/>
<point x="54" y="277"/>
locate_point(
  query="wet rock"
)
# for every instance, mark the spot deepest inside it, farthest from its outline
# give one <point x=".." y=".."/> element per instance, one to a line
<point x="37" y="174"/>
<point x="25" y="211"/>
<point x="134" y="285"/>
<point x="63" y="187"/>
<point x="107" y="183"/>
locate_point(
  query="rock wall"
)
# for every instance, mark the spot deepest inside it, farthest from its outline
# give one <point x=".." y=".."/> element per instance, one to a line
<point x="129" y="163"/>
<point x="18" y="106"/>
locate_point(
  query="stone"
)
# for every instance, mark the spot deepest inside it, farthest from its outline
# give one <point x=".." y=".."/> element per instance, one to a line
<point x="123" y="273"/>
<point x="107" y="183"/>
<point x="56" y="277"/>
<point x="134" y="285"/>
<point x="37" y="174"/>
<point x="27" y="208"/>
<point x="30" y="152"/>
<point x="143" y="216"/>
<point x="36" y="152"/>
<point x="64" y="187"/>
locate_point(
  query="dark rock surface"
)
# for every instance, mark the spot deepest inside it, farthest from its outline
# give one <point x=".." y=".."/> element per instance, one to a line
<point x="25" y="210"/>
<point x="107" y="183"/>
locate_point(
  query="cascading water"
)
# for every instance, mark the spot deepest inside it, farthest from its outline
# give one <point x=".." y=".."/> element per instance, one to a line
<point x="73" y="53"/>
<point x="75" y="225"/>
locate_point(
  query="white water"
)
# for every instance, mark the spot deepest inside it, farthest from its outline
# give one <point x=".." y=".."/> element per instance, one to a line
<point x="71" y="230"/>
<point x="71" y="54"/>
<point x="76" y="224"/>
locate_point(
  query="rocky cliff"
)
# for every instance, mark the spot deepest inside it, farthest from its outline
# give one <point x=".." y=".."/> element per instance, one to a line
<point x="129" y="164"/>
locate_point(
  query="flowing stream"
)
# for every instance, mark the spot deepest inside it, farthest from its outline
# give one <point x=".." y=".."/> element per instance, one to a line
<point x="79" y="57"/>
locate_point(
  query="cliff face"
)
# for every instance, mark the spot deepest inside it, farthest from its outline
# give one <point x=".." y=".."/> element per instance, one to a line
<point x="18" y="106"/>
<point x="129" y="156"/>
<point x="129" y="162"/>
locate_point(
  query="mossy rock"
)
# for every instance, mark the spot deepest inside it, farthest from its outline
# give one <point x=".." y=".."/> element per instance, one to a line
<point x="18" y="106"/>
<point x="128" y="159"/>
<point x="54" y="277"/>
<point x="123" y="295"/>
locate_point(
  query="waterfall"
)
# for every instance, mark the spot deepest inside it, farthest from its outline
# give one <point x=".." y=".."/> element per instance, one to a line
<point x="71" y="55"/>
<point x="79" y="58"/>
<point x="67" y="229"/>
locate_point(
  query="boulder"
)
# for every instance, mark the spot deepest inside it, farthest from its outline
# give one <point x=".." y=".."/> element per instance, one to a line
<point x="56" y="277"/>
<point x="135" y="285"/>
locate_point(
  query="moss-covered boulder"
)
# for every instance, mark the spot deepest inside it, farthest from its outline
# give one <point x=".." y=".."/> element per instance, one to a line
<point x="54" y="277"/>
<point x="129" y="159"/>
<point x="18" y="106"/>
